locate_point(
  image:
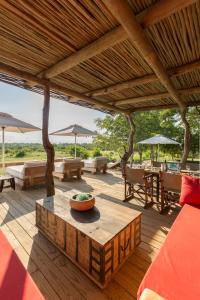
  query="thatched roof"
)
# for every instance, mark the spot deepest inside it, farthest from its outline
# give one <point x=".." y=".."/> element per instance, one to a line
<point x="91" y="53"/>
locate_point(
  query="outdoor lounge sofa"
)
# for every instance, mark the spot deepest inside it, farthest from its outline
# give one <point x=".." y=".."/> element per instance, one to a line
<point x="95" y="165"/>
<point x="31" y="173"/>
<point x="15" y="281"/>
<point x="174" y="274"/>
<point x="67" y="168"/>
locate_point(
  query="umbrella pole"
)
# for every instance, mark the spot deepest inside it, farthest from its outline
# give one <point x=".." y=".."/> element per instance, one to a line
<point x="158" y="151"/>
<point x="75" y="146"/>
<point x="3" y="148"/>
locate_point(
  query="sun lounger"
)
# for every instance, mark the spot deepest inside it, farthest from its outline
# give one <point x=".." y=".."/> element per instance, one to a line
<point x="29" y="174"/>
<point x="96" y="164"/>
<point x="68" y="168"/>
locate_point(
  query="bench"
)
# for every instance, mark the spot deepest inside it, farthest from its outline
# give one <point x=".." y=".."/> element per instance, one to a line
<point x="174" y="274"/>
<point x="15" y="281"/>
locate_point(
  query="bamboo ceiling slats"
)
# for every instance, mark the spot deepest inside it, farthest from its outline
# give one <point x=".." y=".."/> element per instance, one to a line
<point x="140" y="5"/>
<point x="177" y="38"/>
<point x="188" y="80"/>
<point x="36" y="35"/>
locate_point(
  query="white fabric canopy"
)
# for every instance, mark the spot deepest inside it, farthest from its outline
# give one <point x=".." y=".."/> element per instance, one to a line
<point x="8" y="123"/>
<point x="159" y="139"/>
<point x="75" y="130"/>
<point x="14" y="125"/>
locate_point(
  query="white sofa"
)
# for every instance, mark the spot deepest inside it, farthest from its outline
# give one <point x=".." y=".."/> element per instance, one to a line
<point x="67" y="168"/>
<point x="96" y="164"/>
<point x="31" y="173"/>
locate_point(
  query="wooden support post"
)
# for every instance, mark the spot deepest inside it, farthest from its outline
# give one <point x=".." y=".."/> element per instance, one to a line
<point x="187" y="138"/>
<point x="129" y="149"/>
<point x="47" y="145"/>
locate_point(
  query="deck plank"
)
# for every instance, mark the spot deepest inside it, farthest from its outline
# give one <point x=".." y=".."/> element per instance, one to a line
<point x="55" y="275"/>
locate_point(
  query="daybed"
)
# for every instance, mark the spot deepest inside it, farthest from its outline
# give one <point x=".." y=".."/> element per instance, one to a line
<point x="15" y="281"/>
<point x="174" y="274"/>
<point x="29" y="174"/>
<point x="68" y="168"/>
<point x="96" y="164"/>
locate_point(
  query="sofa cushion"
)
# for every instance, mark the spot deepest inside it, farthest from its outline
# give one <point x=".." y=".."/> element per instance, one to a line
<point x="174" y="274"/>
<point x="16" y="171"/>
<point x="34" y="163"/>
<point x="102" y="159"/>
<point x="15" y="281"/>
<point x="71" y="160"/>
<point x="90" y="163"/>
<point x="190" y="191"/>
<point x="59" y="167"/>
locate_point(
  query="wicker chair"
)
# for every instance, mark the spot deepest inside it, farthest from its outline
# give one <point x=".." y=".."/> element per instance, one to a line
<point x="170" y="184"/>
<point x="136" y="181"/>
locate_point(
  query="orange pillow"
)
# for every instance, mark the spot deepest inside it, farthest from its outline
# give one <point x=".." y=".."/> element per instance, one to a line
<point x="190" y="191"/>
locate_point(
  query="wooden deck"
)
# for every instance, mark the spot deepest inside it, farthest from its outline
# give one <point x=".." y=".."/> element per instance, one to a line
<point x="53" y="273"/>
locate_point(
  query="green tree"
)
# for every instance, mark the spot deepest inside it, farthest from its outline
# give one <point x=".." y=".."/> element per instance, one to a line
<point x="115" y="130"/>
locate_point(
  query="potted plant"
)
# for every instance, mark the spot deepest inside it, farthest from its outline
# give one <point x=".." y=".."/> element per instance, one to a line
<point x="82" y="202"/>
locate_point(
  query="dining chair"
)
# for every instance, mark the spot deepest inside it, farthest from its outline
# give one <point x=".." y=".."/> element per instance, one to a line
<point x="137" y="182"/>
<point x="170" y="185"/>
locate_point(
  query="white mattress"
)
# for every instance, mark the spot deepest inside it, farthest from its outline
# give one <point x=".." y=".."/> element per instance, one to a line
<point x="16" y="171"/>
<point x="59" y="167"/>
<point x="90" y="163"/>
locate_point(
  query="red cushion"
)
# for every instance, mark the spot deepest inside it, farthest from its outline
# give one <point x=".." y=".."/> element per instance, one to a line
<point x="190" y="191"/>
<point x="174" y="274"/>
<point x="15" y="281"/>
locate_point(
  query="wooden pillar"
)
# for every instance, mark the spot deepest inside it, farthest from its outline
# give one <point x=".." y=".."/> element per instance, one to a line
<point x="129" y="149"/>
<point x="47" y="145"/>
<point x="187" y="138"/>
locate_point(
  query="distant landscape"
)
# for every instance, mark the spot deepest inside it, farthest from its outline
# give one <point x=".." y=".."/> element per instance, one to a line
<point x="114" y="136"/>
<point x="23" y="152"/>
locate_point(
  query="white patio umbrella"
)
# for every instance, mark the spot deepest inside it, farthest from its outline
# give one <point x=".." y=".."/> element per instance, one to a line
<point x="159" y="140"/>
<point x="75" y="130"/>
<point x="11" y="124"/>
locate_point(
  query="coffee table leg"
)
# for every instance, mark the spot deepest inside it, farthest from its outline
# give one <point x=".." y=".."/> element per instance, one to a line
<point x="1" y="185"/>
<point x="12" y="183"/>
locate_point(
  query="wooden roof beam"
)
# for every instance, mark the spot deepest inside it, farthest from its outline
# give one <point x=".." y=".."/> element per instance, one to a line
<point x="158" y="107"/>
<point x="144" y="80"/>
<point x="188" y="91"/>
<point x="108" y="40"/>
<point x="154" y="14"/>
<point x="122" y="11"/>
<point x="163" y="9"/>
<point x="57" y="88"/>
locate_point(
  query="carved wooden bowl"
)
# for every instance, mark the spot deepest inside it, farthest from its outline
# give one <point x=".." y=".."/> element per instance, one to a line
<point x="83" y="205"/>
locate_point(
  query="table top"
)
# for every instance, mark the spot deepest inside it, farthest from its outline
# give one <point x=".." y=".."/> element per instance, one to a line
<point x="6" y="177"/>
<point x="101" y="223"/>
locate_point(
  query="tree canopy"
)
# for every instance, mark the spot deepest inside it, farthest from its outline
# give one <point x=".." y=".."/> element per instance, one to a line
<point x="115" y="130"/>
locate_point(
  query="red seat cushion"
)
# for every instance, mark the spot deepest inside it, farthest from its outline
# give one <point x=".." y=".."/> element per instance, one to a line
<point x="190" y="191"/>
<point x="15" y="281"/>
<point x="174" y="274"/>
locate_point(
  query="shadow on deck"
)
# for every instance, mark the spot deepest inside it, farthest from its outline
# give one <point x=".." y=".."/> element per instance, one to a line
<point x="53" y="273"/>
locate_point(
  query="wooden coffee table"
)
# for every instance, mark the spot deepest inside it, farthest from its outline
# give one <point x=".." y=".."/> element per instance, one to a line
<point x="98" y="241"/>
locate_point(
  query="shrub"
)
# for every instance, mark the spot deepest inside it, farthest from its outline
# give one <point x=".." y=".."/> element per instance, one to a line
<point x="96" y="152"/>
<point x="20" y="154"/>
<point x="80" y="152"/>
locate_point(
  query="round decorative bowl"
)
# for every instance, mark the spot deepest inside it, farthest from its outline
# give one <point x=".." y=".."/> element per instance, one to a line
<point x="82" y="205"/>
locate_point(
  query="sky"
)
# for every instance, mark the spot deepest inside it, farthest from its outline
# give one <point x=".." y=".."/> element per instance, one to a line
<point x="27" y="106"/>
